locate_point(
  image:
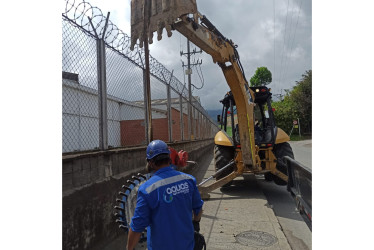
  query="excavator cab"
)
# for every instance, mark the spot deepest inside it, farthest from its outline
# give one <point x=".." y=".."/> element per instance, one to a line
<point x="265" y="129"/>
<point x="227" y="120"/>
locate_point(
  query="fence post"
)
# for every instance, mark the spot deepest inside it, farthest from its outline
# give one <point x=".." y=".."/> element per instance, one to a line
<point x="206" y="128"/>
<point x="203" y="126"/>
<point x="181" y="116"/>
<point x="199" y="124"/>
<point x="103" y="112"/>
<point x="205" y="122"/>
<point x="168" y="105"/>
<point x="145" y="96"/>
<point x="147" y="108"/>
<point x="170" y="124"/>
<point x="190" y="122"/>
<point x="194" y="122"/>
<point x="211" y="130"/>
<point x="147" y="76"/>
<point x="102" y="90"/>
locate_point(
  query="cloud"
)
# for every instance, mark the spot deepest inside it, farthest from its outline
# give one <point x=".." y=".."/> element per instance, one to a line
<point x="250" y="24"/>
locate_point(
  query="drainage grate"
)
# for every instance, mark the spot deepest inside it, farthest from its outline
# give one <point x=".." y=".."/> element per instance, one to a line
<point x="256" y="238"/>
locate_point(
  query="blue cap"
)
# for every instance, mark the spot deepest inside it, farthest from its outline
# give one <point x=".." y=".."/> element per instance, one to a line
<point x="155" y="148"/>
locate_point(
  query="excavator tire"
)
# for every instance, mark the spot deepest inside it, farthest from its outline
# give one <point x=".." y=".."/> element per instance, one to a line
<point x="222" y="156"/>
<point x="281" y="150"/>
<point x="268" y="176"/>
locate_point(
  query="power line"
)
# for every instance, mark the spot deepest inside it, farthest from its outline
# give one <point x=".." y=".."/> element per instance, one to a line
<point x="274" y="32"/>
<point x="200" y="76"/>
<point x="287" y="58"/>
<point x="189" y="64"/>
<point x="293" y="40"/>
<point x="284" y="40"/>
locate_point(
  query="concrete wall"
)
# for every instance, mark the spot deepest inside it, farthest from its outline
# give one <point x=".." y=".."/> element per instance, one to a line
<point x="91" y="182"/>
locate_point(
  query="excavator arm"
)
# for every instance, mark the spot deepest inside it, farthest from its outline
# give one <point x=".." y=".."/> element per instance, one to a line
<point x="155" y="15"/>
<point x="224" y="53"/>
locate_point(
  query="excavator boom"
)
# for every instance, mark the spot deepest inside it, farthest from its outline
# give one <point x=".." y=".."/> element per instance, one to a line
<point x="150" y="16"/>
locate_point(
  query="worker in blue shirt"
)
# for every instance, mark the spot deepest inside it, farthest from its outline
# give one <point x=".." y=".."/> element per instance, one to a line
<point x="166" y="203"/>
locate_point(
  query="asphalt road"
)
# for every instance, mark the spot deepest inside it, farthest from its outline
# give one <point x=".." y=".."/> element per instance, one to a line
<point x="303" y="152"/>
<point x="295" y="227"/>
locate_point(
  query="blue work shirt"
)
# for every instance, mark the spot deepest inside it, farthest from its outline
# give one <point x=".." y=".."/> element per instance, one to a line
<point x="164" y="204"/>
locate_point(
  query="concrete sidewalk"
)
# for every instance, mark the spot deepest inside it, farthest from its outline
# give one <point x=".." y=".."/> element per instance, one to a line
<point x="242" y="207"/>
<point x="230" y="211"/>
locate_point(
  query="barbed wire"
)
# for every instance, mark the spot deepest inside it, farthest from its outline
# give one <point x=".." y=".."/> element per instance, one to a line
<point x="79" y="13"/>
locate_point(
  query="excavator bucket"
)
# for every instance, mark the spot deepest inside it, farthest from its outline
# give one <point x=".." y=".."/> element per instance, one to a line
<point x="148" y="16"/>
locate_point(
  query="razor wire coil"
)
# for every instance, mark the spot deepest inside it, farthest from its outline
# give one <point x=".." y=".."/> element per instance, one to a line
<point x="78" y="13"/>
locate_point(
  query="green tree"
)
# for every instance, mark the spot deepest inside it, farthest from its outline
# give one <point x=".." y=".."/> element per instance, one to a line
<point x="296" y="104"/>
<point x="285" y="113"/>
<point x="261" y="77"/>
<point x="301" y="96"/>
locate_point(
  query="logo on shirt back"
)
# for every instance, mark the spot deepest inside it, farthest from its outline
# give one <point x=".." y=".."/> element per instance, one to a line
<point x="175" y="190"/>
<point x="168" y="198"/>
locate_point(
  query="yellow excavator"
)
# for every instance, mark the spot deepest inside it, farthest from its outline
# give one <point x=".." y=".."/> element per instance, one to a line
<point x="270" y="141"/>
<point x="251" y="147"/>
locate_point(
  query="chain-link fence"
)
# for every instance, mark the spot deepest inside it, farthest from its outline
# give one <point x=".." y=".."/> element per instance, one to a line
<point x="104" y="102"/>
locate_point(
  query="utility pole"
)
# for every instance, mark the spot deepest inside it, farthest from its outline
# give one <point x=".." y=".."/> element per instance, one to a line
<point x="189" y="72"/>
<point x="147" y="82"/>
<point x="280" y="96"/>
<point x="191" y="134"/>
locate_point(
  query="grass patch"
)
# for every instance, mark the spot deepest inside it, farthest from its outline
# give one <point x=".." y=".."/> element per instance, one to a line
<point x="300" y="138"/>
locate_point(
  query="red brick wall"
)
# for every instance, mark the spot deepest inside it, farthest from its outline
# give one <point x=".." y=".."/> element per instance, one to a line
<point x="132" y="132"/>
<point x="160" y="129"/>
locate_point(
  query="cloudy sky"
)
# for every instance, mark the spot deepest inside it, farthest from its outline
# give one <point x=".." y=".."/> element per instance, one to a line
<point x="275" y="34"/>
